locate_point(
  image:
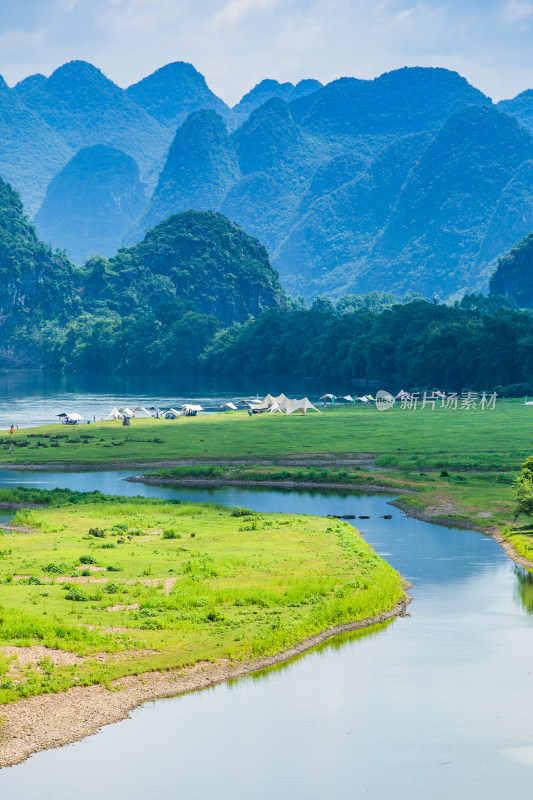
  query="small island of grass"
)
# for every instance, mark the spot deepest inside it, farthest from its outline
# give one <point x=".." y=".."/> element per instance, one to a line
<point x="97" y="590"/>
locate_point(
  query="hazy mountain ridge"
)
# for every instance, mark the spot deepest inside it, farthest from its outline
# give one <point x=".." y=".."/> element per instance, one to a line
<point x="90" y="203"/>
<point x="357" y="185"/>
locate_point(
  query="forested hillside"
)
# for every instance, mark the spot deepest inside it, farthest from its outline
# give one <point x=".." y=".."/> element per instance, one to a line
<point x="192" y="274"/>
<point x="413" y="181"/>
<point x="514" y="276"/>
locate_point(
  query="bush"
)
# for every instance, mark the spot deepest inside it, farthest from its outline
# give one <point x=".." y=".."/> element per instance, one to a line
<point x="242" y="512"/>
<point x="97" y="532"/>
<point x="56" y="569"/>
<point x="87" y="560"/>
<point x="170" y="534"/>
<point x="76" y="594"/>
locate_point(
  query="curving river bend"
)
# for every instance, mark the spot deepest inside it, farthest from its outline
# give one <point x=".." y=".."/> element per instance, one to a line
<point x="437" y="705"/>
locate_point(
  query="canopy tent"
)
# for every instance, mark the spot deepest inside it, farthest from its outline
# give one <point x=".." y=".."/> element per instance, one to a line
<point x="229" y="406"/>
<point x="73" y="417"/>
<point x="347" y="397"/>
<point x="363" y="399"/>
<point x="262" y="405"/>
<point x="302" y="406"/>
<point x="127" y="412"/>
<point x="114" y="413"/>
<point x="275" y="407"/>
<point x="191" y="407"/>
<point x="143" y="410"/>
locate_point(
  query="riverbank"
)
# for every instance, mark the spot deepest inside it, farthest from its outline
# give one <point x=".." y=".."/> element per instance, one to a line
<point x="404" y="439"/>
<point x="478" y="501"/>
<point x="100" y="590"/>
<point x="54" y="720"/>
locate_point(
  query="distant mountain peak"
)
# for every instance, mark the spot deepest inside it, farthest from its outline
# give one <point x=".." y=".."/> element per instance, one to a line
<point x="29" y="83"/>
<point x="172" y="92"/>
<point x="269" y="88"/>
<point x="91" y="203"/>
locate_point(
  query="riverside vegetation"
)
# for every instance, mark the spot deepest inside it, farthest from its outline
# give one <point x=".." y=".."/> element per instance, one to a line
<point x="125" y="586"/>
<point x="458" y="466"/>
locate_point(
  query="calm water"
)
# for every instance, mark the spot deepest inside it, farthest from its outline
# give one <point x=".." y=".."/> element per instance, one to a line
<point x="32" y="397"/>
<point x="437" y="705"/>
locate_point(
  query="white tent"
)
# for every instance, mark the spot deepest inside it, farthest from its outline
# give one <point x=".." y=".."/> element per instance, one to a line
<point x="143" y="410"/>
<point x="114" y="413"/>
<point x="275" y="407"/>
<point x="327" y="397"/>
<point x="303" y="406"/>
<point x="229" y="406"/>
<point x="126" y="412"/>
<point x="262" y="405"/>
<point x="75" y="417"/>
<point x="187" y="407"/>
<point x="364" y="399"/>
<point x="347" y="397"/>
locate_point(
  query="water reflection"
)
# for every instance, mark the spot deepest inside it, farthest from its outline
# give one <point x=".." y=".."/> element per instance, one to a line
<point x="337" y="642"/>
<point x="524" y="588"/>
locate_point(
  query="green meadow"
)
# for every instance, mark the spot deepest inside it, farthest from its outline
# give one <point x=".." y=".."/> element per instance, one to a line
<point x="401" y="439"/>
<point x="132" y="585"/>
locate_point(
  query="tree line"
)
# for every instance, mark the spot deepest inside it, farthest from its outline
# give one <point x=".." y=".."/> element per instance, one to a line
<point x="478" y="343"/>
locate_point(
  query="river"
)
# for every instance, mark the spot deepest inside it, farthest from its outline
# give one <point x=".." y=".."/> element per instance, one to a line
<point x="34" y="397"/>
<point x="436" y="705"/>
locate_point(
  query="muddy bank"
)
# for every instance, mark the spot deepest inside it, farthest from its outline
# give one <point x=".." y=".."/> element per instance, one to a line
<point x="325" y="460"/>
<point x="285" y="484"/>
<point x="53" y="720"/>
<point x="451" y="522"/>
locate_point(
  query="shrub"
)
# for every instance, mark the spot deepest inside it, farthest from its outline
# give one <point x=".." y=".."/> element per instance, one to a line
<point x="76" y="594"/>
<point x="97" y="532"/>
<point x="87" y="560"/>
<point x="242" y="512"/>
<point x="56" y="569"/>
<point x="170" y="534"/>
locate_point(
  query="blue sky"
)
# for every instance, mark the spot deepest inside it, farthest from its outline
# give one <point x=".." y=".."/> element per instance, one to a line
<point x="236" y="43"/>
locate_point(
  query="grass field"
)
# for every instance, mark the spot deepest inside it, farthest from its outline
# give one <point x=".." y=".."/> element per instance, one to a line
<point x="130" y="585"/>
<point x="404" y="439"/>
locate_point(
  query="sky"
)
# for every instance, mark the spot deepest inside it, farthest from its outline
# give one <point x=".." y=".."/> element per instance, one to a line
<point x="237" y="43"/>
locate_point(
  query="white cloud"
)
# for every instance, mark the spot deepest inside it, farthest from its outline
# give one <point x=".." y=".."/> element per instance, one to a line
<point x="235" y="10"/>
<point x="518" y="10"/>
<point x="236" y="43"/>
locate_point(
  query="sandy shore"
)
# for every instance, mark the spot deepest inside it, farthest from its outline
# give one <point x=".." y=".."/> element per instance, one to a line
<point x="53" y="720"/>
